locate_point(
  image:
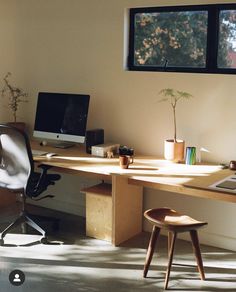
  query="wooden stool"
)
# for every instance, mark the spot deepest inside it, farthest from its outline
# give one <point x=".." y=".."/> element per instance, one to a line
<point x="168" y="219"/>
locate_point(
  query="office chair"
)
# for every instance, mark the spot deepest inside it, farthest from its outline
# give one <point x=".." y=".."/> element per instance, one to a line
<point x="17" y="175"/>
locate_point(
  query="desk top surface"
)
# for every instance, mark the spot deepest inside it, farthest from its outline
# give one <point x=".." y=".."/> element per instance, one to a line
<point x="147" y="171"/>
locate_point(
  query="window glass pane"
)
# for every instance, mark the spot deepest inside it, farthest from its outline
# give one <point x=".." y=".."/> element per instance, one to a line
<point x="227" y="39"/>
<point x="178" y="39"/>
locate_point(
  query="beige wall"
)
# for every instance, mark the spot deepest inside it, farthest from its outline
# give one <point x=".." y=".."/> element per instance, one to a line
<point x="78" y="46"/>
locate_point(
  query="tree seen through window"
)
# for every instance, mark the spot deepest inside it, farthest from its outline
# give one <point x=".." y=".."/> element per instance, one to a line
<point x="171" y="38"/>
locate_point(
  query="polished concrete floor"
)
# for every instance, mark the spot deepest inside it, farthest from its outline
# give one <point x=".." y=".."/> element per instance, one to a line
<point x="73" y="262"/>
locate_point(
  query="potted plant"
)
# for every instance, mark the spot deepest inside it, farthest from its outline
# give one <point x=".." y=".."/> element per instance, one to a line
<point x="174" y="148"/>
<point x="16" y="96"/>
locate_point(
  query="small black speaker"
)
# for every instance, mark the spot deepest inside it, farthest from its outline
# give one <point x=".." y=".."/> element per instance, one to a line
<point x="94" y="137"/>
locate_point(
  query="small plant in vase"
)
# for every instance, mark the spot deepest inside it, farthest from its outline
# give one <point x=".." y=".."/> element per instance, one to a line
<point x="174" y="148"/>
<point x="15" y="96"/>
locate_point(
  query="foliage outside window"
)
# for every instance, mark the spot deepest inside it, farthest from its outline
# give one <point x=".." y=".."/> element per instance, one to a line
<point x="227" y="39"/>
<point x="198" y="38"/>
<point x="178" y="38"/>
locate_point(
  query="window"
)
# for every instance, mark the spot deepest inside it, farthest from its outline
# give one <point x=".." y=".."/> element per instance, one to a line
<point x="198" y="38"/>
<point x="227" y="39"/>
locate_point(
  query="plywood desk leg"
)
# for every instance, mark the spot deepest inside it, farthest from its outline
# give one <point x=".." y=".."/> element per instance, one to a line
<point x="127" y="209"/>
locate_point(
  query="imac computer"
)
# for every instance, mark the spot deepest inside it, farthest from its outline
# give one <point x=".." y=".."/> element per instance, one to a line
<point x="62" y="118"/>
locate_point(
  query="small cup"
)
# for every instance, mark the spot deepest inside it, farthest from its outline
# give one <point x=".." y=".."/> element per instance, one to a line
<point x="125" y="161"/>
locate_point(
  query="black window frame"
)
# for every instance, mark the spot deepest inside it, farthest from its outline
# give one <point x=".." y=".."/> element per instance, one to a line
<point x="212" y="38"/>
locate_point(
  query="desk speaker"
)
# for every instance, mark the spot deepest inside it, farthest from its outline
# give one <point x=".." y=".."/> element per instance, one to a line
<point x="94" y="137"/>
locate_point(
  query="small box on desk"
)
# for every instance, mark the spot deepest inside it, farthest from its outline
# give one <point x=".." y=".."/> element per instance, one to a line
<point x="102" y="149"/>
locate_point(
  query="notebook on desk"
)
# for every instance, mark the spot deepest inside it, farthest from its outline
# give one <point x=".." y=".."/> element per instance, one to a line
<point x="221" y="181"/>
<point x="227" y="184"/>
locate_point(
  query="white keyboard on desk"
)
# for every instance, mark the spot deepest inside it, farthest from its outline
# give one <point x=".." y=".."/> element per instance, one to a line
<point x="38" y="152"/>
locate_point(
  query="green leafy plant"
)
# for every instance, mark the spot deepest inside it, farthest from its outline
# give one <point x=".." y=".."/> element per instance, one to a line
<point x="15" y="95"/>
<point x="173" y="96"/>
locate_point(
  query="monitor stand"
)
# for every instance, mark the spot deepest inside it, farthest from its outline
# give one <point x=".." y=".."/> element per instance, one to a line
<point x="62" y="145"/>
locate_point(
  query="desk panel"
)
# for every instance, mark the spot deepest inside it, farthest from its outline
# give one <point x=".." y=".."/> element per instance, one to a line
<point x="188" y="184"/>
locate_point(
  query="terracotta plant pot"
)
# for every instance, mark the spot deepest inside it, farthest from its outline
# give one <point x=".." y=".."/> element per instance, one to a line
<point x="174" y="150"/>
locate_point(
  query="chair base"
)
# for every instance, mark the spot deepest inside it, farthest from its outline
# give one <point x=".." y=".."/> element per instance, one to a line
<point x="40" y="219"/>
<point x="22" y="220"/>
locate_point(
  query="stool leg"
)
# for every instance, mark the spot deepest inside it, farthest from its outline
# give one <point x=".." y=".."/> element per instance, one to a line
<point x="151" y="247"/>
<point x="171" y="253"/>
<point x="170" y="234"/>
<point x="197" y="251"/>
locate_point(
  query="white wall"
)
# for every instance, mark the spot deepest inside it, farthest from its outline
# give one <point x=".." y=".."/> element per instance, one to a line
<point x="78" y="46"/>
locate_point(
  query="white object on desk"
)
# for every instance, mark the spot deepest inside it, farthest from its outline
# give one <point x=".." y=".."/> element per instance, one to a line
<point x="50" y="154"/>
<point x="38" y="152"/>
<point x="102" y="149"/>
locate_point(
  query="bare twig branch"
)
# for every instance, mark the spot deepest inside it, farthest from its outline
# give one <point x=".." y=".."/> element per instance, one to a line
<point x="16" y="95"/>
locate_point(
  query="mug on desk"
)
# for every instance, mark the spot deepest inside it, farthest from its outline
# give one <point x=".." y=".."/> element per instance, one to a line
<point x="125" y="161"/>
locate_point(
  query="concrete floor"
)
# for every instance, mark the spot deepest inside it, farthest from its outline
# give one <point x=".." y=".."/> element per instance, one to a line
<point x="74" y="262"/>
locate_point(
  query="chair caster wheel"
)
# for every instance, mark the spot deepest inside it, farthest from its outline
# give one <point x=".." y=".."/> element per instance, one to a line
<point x="43" y="240"/>
<point x="1" y="242"/>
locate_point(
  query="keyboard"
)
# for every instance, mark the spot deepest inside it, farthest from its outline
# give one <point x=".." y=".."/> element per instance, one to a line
<point x="38" y="152"/>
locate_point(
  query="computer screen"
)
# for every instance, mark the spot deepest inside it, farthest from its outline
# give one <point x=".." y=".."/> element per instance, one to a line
<point x="61" y="116"/>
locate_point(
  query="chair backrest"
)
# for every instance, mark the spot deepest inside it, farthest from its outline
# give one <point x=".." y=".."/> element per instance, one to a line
<point x="16" y="158"/>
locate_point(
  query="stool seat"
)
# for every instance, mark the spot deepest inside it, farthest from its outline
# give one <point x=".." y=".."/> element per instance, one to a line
<point x="170" y="219"/>
<point x="173" y="222"/>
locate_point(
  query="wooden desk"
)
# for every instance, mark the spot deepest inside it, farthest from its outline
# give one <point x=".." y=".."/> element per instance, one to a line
<point x="127" y="200"/>
<point x="127" y="185"/>
<point x="188" y="180"/>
